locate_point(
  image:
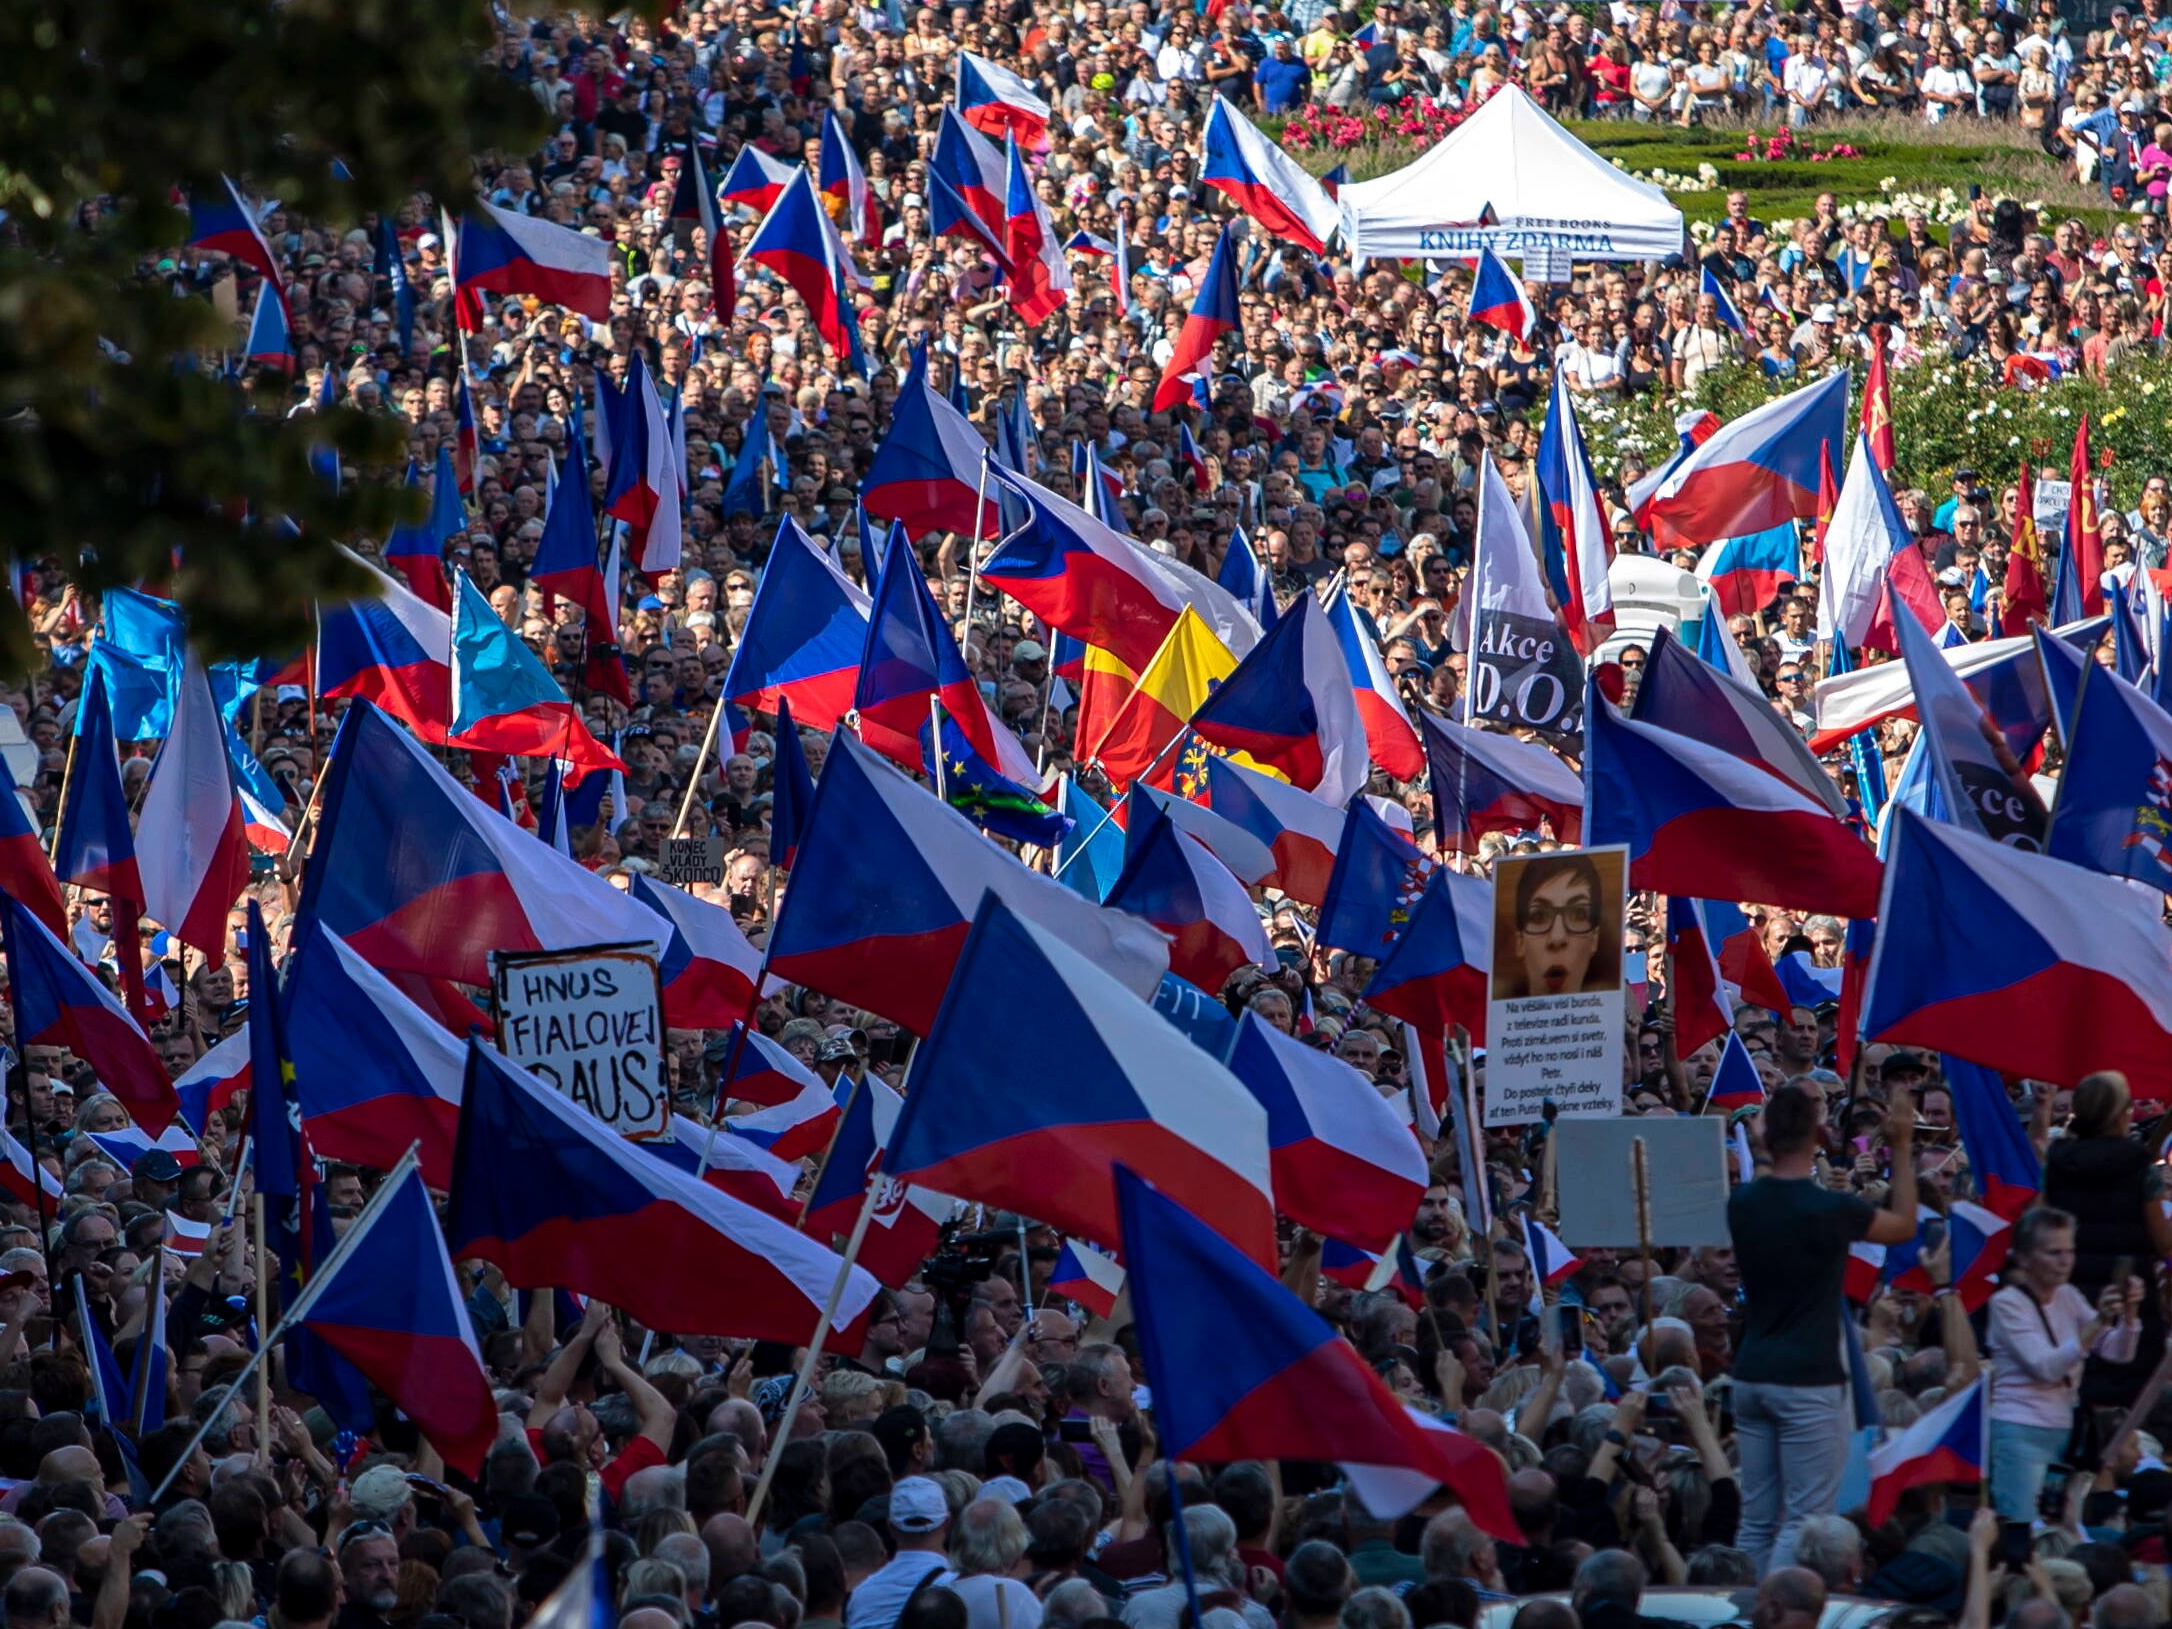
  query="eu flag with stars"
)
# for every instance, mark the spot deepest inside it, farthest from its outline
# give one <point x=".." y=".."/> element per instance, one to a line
<point x="972" y="786"/>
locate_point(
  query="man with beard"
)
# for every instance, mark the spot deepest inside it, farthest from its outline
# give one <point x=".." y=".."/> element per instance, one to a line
<point x="369" y="1572"/>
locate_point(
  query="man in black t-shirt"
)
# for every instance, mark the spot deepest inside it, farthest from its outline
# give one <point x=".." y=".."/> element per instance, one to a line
<point x="1791" y="1237"/>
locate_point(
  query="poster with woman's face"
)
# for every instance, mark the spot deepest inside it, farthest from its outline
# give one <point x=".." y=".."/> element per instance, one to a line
<point x="1557" y="923"/>
<point x="1554" y="1020"/>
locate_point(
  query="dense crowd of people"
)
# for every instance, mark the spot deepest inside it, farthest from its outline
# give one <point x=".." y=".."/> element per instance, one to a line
<point x="987" y="1458"/>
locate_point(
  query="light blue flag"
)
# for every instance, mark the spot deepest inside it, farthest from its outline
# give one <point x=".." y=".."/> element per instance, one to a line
<point x="1093" y="872"/>
<point x="494" y="672"/>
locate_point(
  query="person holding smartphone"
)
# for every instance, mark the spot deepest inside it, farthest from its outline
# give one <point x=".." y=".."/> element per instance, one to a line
<point x="2043" y="1330"/>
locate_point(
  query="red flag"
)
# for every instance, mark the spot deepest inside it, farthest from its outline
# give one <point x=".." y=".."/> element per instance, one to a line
<point x="2025" y="597"/>
<point x="1878" y="404"/>
<point x="1828" y="500"/>
<point x="2084" y="533"/>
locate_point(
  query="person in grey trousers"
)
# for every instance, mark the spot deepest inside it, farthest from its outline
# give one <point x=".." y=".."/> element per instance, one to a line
<point x="1791" y="1237"/>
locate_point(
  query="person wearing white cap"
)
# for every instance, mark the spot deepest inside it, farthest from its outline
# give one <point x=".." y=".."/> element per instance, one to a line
<point x="919" y="1519"/>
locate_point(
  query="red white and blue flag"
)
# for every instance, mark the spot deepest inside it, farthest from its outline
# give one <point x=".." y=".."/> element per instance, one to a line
<point x="60" y="1002"/>
<point x="1291" y="705"/>
<point x="496" y="251"/>
<point x="2019" y="962"/>
<point x="394" y="650"/>
<point x="876" y="838"/>
<point x="999" y="104"/>
<point x="1301" y="830"/>
<point x="1438" y="972"/>
<point x="1214" y="313"/>
<point x="1091" y="1278"/>
<point x="1344" y="1164"/>
<point x="1735" y="1084"/>
<point x="1116" y="1085"/>
<point x="1576" y="545"/>
<point x="1498" y="299"/>
<point x="1283" y="1383"/>
<point x="192" y="849"/>
<point x="1484" y="781"/>
<point x="756" y="181"/>
<point x="1039" y="276"/>
<point x="1752" y="473"/>
<point x="580" y="1207"/>
<point x="1238" y="159"/>
<point x="1949" y="1444"/>
<point x="1389" y="735"/>
<point x="1172" y="880"/>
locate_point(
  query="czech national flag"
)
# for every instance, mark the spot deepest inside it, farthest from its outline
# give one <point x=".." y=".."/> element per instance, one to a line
<point x="418" y="876"/>
<point x="565" y="555"/>
<point x="1698" y="820"/>
<point x="219" y="219"/>
<point x="1728" y="315"/>
<point x="2114" y="812"/>
<point x="1552" y="1262"/>
<point x="951" y="216"/>
<point x="791" y="789"/>
<point x="886" y="885"/>
<point x="2000" y="1155"/>
<point x="2016" y="961"/>
<point x="373" y="1072"/>
<point x="1249" y="859"/>
<point x="16" y="1180"/>
<point x="60" y="1002"/>
<point x="1438" y="972"/>
<point x="192" y="850"/>
<point x="271" y="342"/>
<point x="211" y="1082"/>
<point x="1088" y="1277"/>
<point x="1498" y="299"/>
<point x="580" y="1207"/>
<point x="731" y="1165"/>
<point x="764" y="1073"/>
<point x="1087" y="580"/>
<point x="844" y="185"/>
<point x="390" y="1304"/>
<point x="394" y="650"/>
<point x="1344" y="1164"/>
<point x="999" y="104"/>
<point x="1378" y="879"/>
<point x="1283" y="1383"/>
<point x="1734" y="1083"/>
<point x="1864" y="1273"/>
<point x="756" y="181"/>
<point x="1172" y="880"/>
<point x="1745" y="573"/>
<point x="1114" y="1084"/>
<point x="2023" y="692"/>
<point x="1702" y="1010"/>
<point x="24" y="873"/>
<point x="505" y="700"/>
<point x="1979" y="1238"/>
<point x="1751" y="474"/>
<point x="804" y="635"/>
<point x="1576" y="544"/>
<point x="1213" y="314"/>
<point x="1189" y="455"/>
<point x="927" y="472"/>
<point x="1684" y="693"/>
<point x="417" y="552"/>
<point x="910" y="657"/>
<point x="1236" y="158"/>
<point x="1301" y="831"/>
<point x="1389" y="735"/>
<point x="96" y="847"/>
<point x="906" y="1224"/>
<point x="1291" y="706"/>
<point x="1040" y="278"/>
<point x="797" y="241"/>
<point x="708" y="968"/>
<point x="801" y="1125"/>
<point x="496" y="250"/>
<point x="1949" y="1444"/>
<point x="645" y="472"/>
<point x="974" y="169"/>
<point x="129" y="1144"/>
<point x="1484" y="782"/>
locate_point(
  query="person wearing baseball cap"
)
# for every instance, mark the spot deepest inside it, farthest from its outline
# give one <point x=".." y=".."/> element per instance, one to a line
<point x="919" y="1522"/>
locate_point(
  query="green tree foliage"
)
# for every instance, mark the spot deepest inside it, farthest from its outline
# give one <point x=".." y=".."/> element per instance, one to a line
<point x="123" y="445"/>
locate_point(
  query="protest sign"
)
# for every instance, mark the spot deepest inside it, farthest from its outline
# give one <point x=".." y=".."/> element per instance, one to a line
<point x="591" y="1023"/>
<point x="1523" y="670"/>
<point x="2050" y="502"/>
<point x="688" y="860"/>
<point x="1554" y="1014"/>
<point x="1687" y="1159"/>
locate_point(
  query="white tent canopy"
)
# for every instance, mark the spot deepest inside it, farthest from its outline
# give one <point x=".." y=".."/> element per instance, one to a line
<point x="1552" y="198"/>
